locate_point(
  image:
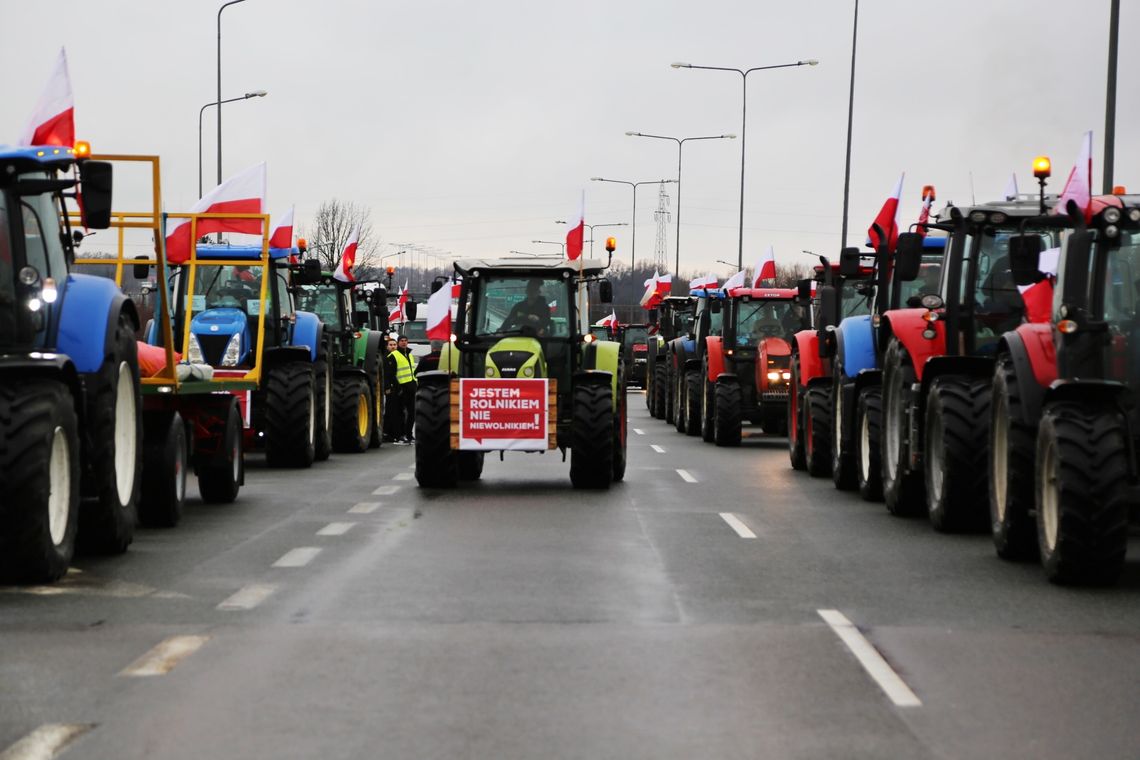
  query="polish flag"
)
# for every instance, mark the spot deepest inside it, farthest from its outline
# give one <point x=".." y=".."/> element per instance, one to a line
<point x="1078" y="187"/>
<point x="456" y="286"/>
<point x="1011" y="187"/>
<point x="886" y="223"/>
<point x="704" y="281"/>
<point x="53" y="120"/>
<point x="282" y="235"/>
<point x="576" y="235"/>
<point x="439" y="315"/>
<point x="348" y="258"/>
<point x="736" y="281"/>
<point x="397" y="314"/>
<point x="924" y="214"/>
<point x="610" y="321"/>
<point x="1038" y="297"/>
<point x="241" y="194"/>
<point x="656" y="288"/>
<point x="765" y="268"/>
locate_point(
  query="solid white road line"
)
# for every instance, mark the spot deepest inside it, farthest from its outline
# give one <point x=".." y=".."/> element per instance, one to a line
<point x="738" y="525"/>
<point x="336" y="529"/>
<point x="403" y="476"/>
<point x="365" y="507"/>
<point x="685" y="476"/>
<point x="248" y="597"/>
<point x="385" y="490"/>
<point x="162" y="659"/>
<point x="639" y="431"/>
<point x="298" y="557"/>
<point x="657" y="448"/>
<point x="887" y="679"/>
<point x="46" y="742"/>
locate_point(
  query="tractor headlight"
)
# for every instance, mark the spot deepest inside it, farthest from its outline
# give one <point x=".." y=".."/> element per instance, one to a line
<point x="490" y="371"/>
<point x="194" y="351"/>
<point x="1134" y="214"/>
<point x="786" y="375"/>
<point x="1111" y="231"/>
<point x="233" y="351"/>
<point x="528" y="371"/>
<point x="1112" y="215"/>
<point x="773" y="376"/>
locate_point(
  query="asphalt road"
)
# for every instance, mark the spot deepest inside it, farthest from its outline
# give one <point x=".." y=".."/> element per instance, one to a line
<point x="737" y="609"/>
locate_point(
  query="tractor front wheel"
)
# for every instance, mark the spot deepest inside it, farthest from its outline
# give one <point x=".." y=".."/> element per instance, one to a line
<point x="842" y="462"/>
<point x="795" y="421"/>
<point x="955" y="453"/>
<point x="726" y="415"/>
<point x="437" y="466"/>
<point x="1012" y="445"/>
<point x="470" y="464"/>
<point x="621" y="422"/>
<point x="694" y="386"/>
<point x="165" y="461"/>
<point x="660" y="390"/>
<point x="817" y="425"/>
<point x="290" y="415"/>
<point x="868" y="418"/>
<point x="220" y="480"/>
<point x="352" y="415"/>
<point x="322" y="436"/>
<point x="902" y="489"/>
<point x="708" y="408"/>
<point x="591" y="447"/>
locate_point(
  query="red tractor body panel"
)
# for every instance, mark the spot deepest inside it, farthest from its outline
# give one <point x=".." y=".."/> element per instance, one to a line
<point x="777" y="350"/>
<point x="811" y="363"/>
<point x="714" y="350"/>
<point x="1038" y="341"/>
<point x="908" y="326"/>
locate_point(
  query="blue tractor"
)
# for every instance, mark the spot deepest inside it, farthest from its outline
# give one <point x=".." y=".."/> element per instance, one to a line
<point x="70" y="422"/>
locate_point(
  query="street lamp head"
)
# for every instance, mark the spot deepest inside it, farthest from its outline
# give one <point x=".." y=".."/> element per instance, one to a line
<point x="729" y="137"/>
<point x="681" y="65"/>
<point x="256" y="94"/>
<point x="809" y="62"/>
<point x="632" y="134"/>
<point x="596" y="179"/>
<point x="560" y="221"/>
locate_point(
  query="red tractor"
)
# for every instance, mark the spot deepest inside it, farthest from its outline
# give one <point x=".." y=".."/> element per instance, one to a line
<point x="746" y="366"/>
<point x="1063" y="425"/>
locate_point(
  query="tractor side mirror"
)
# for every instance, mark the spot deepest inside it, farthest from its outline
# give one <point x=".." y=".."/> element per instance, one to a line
<point x="1073" y="270"/>
<point x="410" y="309"/>
<point x="310" y="272"/>
<point x="714" y="305"/>
<point x="849" y="262"/>
<point x="141" y="271"/>
<point x="605" y="291"/>
<point x="1025" y="258"/>
<point x="654" y="315"/>
<point x="95" y="183"/>
<point x="436" y="285"/>
<point x="908" y="256"/>
<point x="803" y="291"/>
<point x="828" y="306"/>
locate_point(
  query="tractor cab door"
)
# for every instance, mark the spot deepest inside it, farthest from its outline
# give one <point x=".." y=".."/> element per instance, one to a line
<point x="1116" y="301"/>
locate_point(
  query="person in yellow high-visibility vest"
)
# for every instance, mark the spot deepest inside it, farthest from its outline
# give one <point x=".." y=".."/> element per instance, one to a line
<point x="406" y="382"/>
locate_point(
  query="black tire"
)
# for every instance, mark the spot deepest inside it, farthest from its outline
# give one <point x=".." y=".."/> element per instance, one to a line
<point x="220" y="480"/>
<point x="621" y="429"/>
<point x="795" y="421"/>
<point x="353" y="415"/>
<point x="670" y="390"/>
<point x="1082" y="486"/>
<point x="817" y="426"/>
<point x="436" y="462"/>
<point x="1012" y="451"/>
<point x="166" y="461"/>
<point x="660" y="389"/>
<point x="954" y="463"/>
<point x="842" y="457"/>
<point x="902" y="488"/>
<point x="290" y="415"/>
<point x="323" y="386"/>
<point x="377" y="439"/>
<point x="591" y="437"/>
<point x="470" y="464"/>
<point x="708" y="408"/>
<point x="39" y="458"/>
<point x="112" y="461"/>
<point x="680" y="396"/>
<point x="694" y="385"/>
<point x="868" y="462"/>
<point x="726" y="422"/>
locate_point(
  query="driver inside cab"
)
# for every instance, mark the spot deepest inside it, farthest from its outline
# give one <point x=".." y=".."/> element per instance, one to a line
<point x="533" y="312"/>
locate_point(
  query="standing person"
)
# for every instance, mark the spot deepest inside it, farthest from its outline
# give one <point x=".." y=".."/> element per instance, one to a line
<point x="393" y="403"/>
<point x="407" y="387"/>
<point x="430" y="363"/>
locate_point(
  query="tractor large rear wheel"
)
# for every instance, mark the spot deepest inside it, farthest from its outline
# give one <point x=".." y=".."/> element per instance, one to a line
<point x="817" y="427"/>
<point x="795" y="421"/>
<point x="670" y="390"/>
<point x="220" y="480"/>
<point x="322" y="436"/>
<point x="290" y="415"/>
<point x="680" y="398"/>
<point x="470" y="464"/>
<point x="957" y="418"/>
<point x="902" y="488"/>
<point x="726" y="415"/>
<point x="591" y="438"/>
<point x="708" y="408"/>
<point x="694" y="385"/>
<point x="621" y="428"/>
<point x="165" y="462"/>
<point x="39" y="477"/>
<point x="660" y="390"/>
<point x="1082" y="493"/>
<point x="868" y="461"/>
<point x="352" y="415"/>
<point x="1012" y="449"/>
<point x="436" y="463"/>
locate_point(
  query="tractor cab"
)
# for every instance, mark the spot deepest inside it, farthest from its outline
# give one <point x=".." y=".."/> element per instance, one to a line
<point x="635" y="342"/>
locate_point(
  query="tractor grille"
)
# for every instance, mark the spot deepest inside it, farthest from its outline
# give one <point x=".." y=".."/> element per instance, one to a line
<point x="213" y="348"/>
<point x="509" y="362"/>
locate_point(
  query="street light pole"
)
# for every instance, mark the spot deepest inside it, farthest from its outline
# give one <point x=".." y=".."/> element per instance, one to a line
<point x="219" y="100"/>
<point x="591" y="227"/>
<point x="1110" y="99"/>
<point x="202" y="110"/>
<point x="680" y="144"/>
<point x="744" y="123"/>
<point x="634" y="186"/>
<point x="850" y="115"/>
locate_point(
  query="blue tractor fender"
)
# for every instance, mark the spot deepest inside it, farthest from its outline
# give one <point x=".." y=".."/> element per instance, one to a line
<point x="307" y="332"/>
<point x="855" y="345"/>
<point x="88" y="315"/>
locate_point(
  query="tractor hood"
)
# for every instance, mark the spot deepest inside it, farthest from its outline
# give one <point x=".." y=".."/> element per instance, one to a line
<point x="213" y="330"/>
<point x="516" y="357"/>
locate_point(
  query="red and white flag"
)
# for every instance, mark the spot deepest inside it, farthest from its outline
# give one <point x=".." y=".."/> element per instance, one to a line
<point x="348" y="258"/>
<point x="241" y="194"/>
<point x="576" y="236"/>
<point x="282" y="235"/>
<point x="765" y="268"/>
<point x="456" y="285"/>
<point x="736" y="281"/>
<point x="397" y="314"/>
<point x="53" y="120"/>
<point x="1078" y="187"/>
<point x="924" y="214"/>
<point x="703" y="281"/>
<point x="886" y="223"/>
<point x="439" y="315"/>
<point x="610" y="321"/>
<point x="1011" y="187"/>
<point x="1038" y="297"/>
<point x="656" y="288"/>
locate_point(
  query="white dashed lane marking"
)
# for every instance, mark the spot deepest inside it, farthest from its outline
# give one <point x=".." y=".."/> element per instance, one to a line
<point x="46" y="742"/>
<point x="639" y="431"/>
<point x="385" y="490"/>
<point x="885" y="676"/>
<point x="685" y="476"/>
<point x="298" y="557"/>
<point x="336" y="529"/>
<point x="248" y="597"/>
<point x="657" y="448"/>
<point x="738" y="525"/>
<point x="365" y="508"/>
<point x="165" y="656"/>
<point x="403" y="476"/>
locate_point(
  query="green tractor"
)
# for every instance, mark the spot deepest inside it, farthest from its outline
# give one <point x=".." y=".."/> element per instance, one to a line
<point x="355" y="316"/>
<point x="521" y="375"/>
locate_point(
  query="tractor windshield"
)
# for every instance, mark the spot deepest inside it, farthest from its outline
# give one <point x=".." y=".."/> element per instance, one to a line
<point x="635" y="334"/>
<point x="927" y="282"/>
<point x="7" y="283"/>
<point x="765" y="319"/>
<point x="415" y="332"/>
<point x="855" y="297"/>
<point x="1120" y="305"/>
<point x="520" y="305"/>
<point x="322" y="301"/>
<point x="998" y="307"/>
<point x="228" y="286"/>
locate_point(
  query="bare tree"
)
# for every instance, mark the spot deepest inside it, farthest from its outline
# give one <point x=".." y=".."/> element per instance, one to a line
<point x="789" y="275"/>
<point x="329" y="231"/>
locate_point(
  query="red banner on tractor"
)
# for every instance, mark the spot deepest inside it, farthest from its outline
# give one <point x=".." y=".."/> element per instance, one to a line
<point x="497" y="414"/>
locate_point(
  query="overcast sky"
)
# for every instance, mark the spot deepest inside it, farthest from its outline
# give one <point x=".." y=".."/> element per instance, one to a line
<point x="471" y="126"/>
